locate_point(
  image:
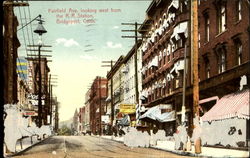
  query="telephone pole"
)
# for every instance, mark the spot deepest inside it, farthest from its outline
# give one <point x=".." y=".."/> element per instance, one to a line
<point x="194" y="50"/>
<point x="195" y="71"/>
<point x="40" y="107"/>
<point x="111" y="88"/>
<point x="135" y="55"/>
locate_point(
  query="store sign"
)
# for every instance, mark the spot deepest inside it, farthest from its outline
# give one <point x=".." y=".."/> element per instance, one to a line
<point x="127" y="108"/>
<point x="105" y="119"/>
<point x="30" y="113"/>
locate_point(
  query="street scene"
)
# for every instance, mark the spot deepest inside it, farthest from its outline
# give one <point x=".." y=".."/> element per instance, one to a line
<point x="125" y="78"/>
<point x="78" y="146"/>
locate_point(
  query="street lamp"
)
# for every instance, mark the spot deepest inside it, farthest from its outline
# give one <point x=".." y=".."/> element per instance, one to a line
<point x="40" y="30"/>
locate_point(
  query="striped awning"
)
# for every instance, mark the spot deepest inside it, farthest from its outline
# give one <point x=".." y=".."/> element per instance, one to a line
<point x="229" y="106"/>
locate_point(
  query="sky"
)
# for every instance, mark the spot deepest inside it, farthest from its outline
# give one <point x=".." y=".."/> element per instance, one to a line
<point x="80" y="46"/>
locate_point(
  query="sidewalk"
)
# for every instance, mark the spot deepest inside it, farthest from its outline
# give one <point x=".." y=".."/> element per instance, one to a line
<point x="206" y="151"/>
<point x="24" y="145"/>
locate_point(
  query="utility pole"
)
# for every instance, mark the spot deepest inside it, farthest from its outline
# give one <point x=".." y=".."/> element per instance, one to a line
<point x="195" y="71"/>
<point x="51" y="96"/>
<point x="194" y="49"/>
<point x="100" y="105"/>
<point x="111" y="88"/>
<point x="135" y="55"/>
<point x="183" y="108"/>
<point x="40" y="108"/>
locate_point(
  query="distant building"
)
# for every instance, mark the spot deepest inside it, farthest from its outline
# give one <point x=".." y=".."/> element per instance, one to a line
<point x="117" y="95"/>
<point x="86" y="127"/>
<point x="98" y="94"/>
<point x="74" y="125"/>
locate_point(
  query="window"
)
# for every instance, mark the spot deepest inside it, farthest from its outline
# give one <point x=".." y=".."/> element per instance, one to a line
<point x="207" y="23"/>
<point x="183" y="5"/>
<point x="207" y="67"/>
<point x="238" y="53"/>
<point x="222" y="61"/>
<point x="238" y="10"/>
<point x="221" y="17"/>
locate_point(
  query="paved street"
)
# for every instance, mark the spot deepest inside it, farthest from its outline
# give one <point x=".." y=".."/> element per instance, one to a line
<point x="89" y="147"/>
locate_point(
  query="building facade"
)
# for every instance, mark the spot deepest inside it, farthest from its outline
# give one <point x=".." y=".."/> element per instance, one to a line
<point x="223" y="56"/>
<point x="115" y="90"/>
<point x="163" y="59"/>
<point x="98" y="94"/>
<point x="86" y="127"/>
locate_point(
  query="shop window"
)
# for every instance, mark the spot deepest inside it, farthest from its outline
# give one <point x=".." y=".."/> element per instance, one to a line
<point x="221" y="16"/>
<point x="207" y="23"/>
<point x="238" y="10"/>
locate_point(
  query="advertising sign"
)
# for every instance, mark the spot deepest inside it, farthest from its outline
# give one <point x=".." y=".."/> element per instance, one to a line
<point x="30" y="113"/>
<point x="105" y="118"/>
<point x="127" y="108"/>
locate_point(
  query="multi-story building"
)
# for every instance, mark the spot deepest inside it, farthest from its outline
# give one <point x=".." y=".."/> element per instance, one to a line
<point x="223" y="56"/>
<point x="86" y="127"/>
<point x="98" y="94"/>
<point x="22" y="84"/>
<point x="162" y="58"/>
<point x="81" y="123"/>
<point x="131" y="81"/>
<point x="115" y="90"/>
<point x="10" y="46"/>
<point x="33" y="83"/>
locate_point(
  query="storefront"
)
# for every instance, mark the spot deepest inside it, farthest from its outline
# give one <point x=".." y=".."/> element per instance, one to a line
<point x="160" y="117"/>
<point x="227" y="122"/>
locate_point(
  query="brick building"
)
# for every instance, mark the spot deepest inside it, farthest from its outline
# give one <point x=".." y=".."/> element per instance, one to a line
<point x="98" y="94"/>
<point x="10" y="46"/>
<point x="223" y="55"/>
<point x="33" y="83"/>
<point x="162" y="61"/>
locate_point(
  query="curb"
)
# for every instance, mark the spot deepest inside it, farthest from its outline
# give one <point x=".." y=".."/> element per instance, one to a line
<point x="172" y="151"/>
<point x="22" y="151"/>
<point x="183" y="153"/>
<point x="178" y="152"/>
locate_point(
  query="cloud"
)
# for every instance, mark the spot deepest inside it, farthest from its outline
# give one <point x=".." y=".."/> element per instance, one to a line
<point x="115" y="27"/>
<point x="67" y="43"/>
<point x="110" y="44"/>
<point x="86" y="57"/>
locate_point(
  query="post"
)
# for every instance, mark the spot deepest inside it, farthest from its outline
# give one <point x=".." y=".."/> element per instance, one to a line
<point x="100" y="106"/>
<point x="112" y="102"/>
<point x="51" y="102"/>
<point x="194" y="50"/>
<point x="136" y="75"/>
<point x="183" y="109"/>
<point x="194" y="47"/>
<point x="40" y="88"/>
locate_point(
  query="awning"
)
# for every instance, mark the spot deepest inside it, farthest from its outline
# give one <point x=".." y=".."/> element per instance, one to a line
<point x="180" y="28"/>
<point x="229" y="106"/>
<point x="155" y="113"/>
<point x="124" y="121"/>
